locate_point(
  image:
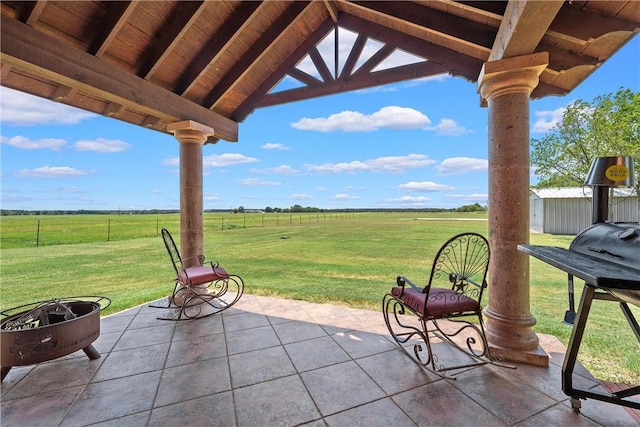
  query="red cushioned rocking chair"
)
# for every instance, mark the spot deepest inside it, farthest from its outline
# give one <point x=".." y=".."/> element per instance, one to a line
<point x="201" y="290"/>
<point x="444" y="309"/>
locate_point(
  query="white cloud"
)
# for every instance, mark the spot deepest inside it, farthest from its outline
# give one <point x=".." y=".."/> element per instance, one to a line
<point x="280" y="170"/>
<point x="33" y="144"/>
<point x="21" y="109"/>
<point x="274" y="146"/>
<point x="51" y="172"/>
<point x="227" y="159"/>
<point x="450" y="127"/>
<point x="257" y="182"/>
<point x="210" y="197"/>
<point x="460" y="165"/>
<point x="412" y="200"/>
<point x="102" y="145"/>
<point x="390" y="117"/>
<point x="547" y="120"/>
<point x="425" y="186"/>
<point x="344" y="197"/>
<point x="392" y="164"/>
<point x="217" y="160"/>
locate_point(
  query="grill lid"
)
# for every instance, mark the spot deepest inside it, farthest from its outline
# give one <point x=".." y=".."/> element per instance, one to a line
<point x="615" y="242"/>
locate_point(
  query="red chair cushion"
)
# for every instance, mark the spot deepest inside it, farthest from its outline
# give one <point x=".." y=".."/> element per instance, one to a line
<point x="202" y="274"/>
<point x="441" y="301"/>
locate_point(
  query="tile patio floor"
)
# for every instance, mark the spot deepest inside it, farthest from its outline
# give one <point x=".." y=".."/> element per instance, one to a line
<point x="268" y="362"/>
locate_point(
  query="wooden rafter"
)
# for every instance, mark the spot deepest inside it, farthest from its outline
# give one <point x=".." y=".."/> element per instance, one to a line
<point x="457" y="63"/>
<point x="259" y="49"/>
<point x="434" y="21"/>
<point x="187" y="13"/>
<point x="354" y="55"/>
<point x="117" y="17"/>
<point x="31" y="11"/>
<point x="216" y="45"/>
<point x="405" y="72"/>
<point x="270" y="81"/>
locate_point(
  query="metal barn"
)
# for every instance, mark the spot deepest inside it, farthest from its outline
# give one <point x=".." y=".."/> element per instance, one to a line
<point x="568" y="210"/>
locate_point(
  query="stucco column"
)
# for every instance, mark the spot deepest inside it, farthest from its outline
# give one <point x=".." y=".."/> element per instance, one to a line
<point x="506" y="85"/>
<point x="191" y="136"/>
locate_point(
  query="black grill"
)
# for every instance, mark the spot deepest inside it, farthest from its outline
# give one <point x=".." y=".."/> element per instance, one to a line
<point x="607" y="257"/>
<point x="618" y="245"/>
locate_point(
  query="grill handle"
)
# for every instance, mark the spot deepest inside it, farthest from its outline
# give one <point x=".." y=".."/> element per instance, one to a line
<point x="570" y="315"/>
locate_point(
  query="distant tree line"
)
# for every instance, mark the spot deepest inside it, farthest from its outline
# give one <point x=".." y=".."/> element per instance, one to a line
<point x="476" y="207"/>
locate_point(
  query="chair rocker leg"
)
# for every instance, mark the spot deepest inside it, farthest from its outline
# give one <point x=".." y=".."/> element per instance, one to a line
<point x="482" y="356"/>
<point x="392" y="310"/>
<point x="188" y="304"/>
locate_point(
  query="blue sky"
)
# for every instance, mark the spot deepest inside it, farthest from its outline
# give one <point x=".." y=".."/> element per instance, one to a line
<point x="416" y="144"/>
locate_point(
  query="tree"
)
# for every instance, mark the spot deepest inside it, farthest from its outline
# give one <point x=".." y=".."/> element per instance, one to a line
<point x="607" y="126"/>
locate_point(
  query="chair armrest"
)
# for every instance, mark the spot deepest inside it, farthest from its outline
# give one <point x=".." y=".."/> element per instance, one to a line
<point x="455" y="278"/>
<point x="402" y="281"/>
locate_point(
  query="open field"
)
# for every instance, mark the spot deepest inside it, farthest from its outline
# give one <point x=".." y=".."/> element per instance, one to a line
<point x="345" y="259"/>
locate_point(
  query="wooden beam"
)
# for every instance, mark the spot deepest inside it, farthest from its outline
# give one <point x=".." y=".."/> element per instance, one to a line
<point x="249" y="103"/>
<point x="332" y="9"/>
<point x="117" y="17"/>
<point x="257" y="50"/>
<point x="183" y="18"/>
<point x="31" y="11"/>
<point x="303" y="77"/>
<point x="217" y="44"/>
<point x="321" y="66"/>
<point x="523" y="26"/>
<point x="26" y="49"/>
<point x="375" y="59"/>
<point x="393" y="75"/>
<point x="354" y="55"/>
<point x="433" y="20"/>
<point x="457" y="63"/>
<point x="62" y="93"/>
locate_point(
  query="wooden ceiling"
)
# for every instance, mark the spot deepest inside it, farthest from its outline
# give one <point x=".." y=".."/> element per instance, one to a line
<point x="155" y="62"/>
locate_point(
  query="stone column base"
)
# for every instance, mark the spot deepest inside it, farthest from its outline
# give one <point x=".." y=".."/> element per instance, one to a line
<point x="536" y="357"/>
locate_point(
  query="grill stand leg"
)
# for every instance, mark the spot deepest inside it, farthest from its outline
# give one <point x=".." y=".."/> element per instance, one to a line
<point x="621" y="398"/>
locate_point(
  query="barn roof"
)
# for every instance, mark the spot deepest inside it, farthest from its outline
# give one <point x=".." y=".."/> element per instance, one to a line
<point x="576" y="193"/>
<point x="151" y="63"/>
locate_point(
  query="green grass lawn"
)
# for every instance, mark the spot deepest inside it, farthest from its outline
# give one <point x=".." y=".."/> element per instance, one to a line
<point x="348" y="259"/>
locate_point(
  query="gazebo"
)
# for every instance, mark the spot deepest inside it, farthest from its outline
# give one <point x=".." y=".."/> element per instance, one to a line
<point x="197" y="69"/>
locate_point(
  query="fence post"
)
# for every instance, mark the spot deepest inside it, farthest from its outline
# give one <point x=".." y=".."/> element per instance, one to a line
<point x="109" y="230"/>
<point x="38" y="235"/>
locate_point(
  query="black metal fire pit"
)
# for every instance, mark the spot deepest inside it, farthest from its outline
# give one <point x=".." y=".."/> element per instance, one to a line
<point x="45" y="330"/>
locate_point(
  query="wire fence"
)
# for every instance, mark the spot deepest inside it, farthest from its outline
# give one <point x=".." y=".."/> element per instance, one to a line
<point x="34" y="231"/>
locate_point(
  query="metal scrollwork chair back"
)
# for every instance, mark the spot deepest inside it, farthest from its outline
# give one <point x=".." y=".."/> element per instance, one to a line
<point x="199" y="290"/>
<point x="448" y="309"/>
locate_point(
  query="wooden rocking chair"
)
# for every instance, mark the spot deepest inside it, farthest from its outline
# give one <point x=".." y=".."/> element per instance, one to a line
<point x="199" y="291"/>
<point x="445" y="307"/>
